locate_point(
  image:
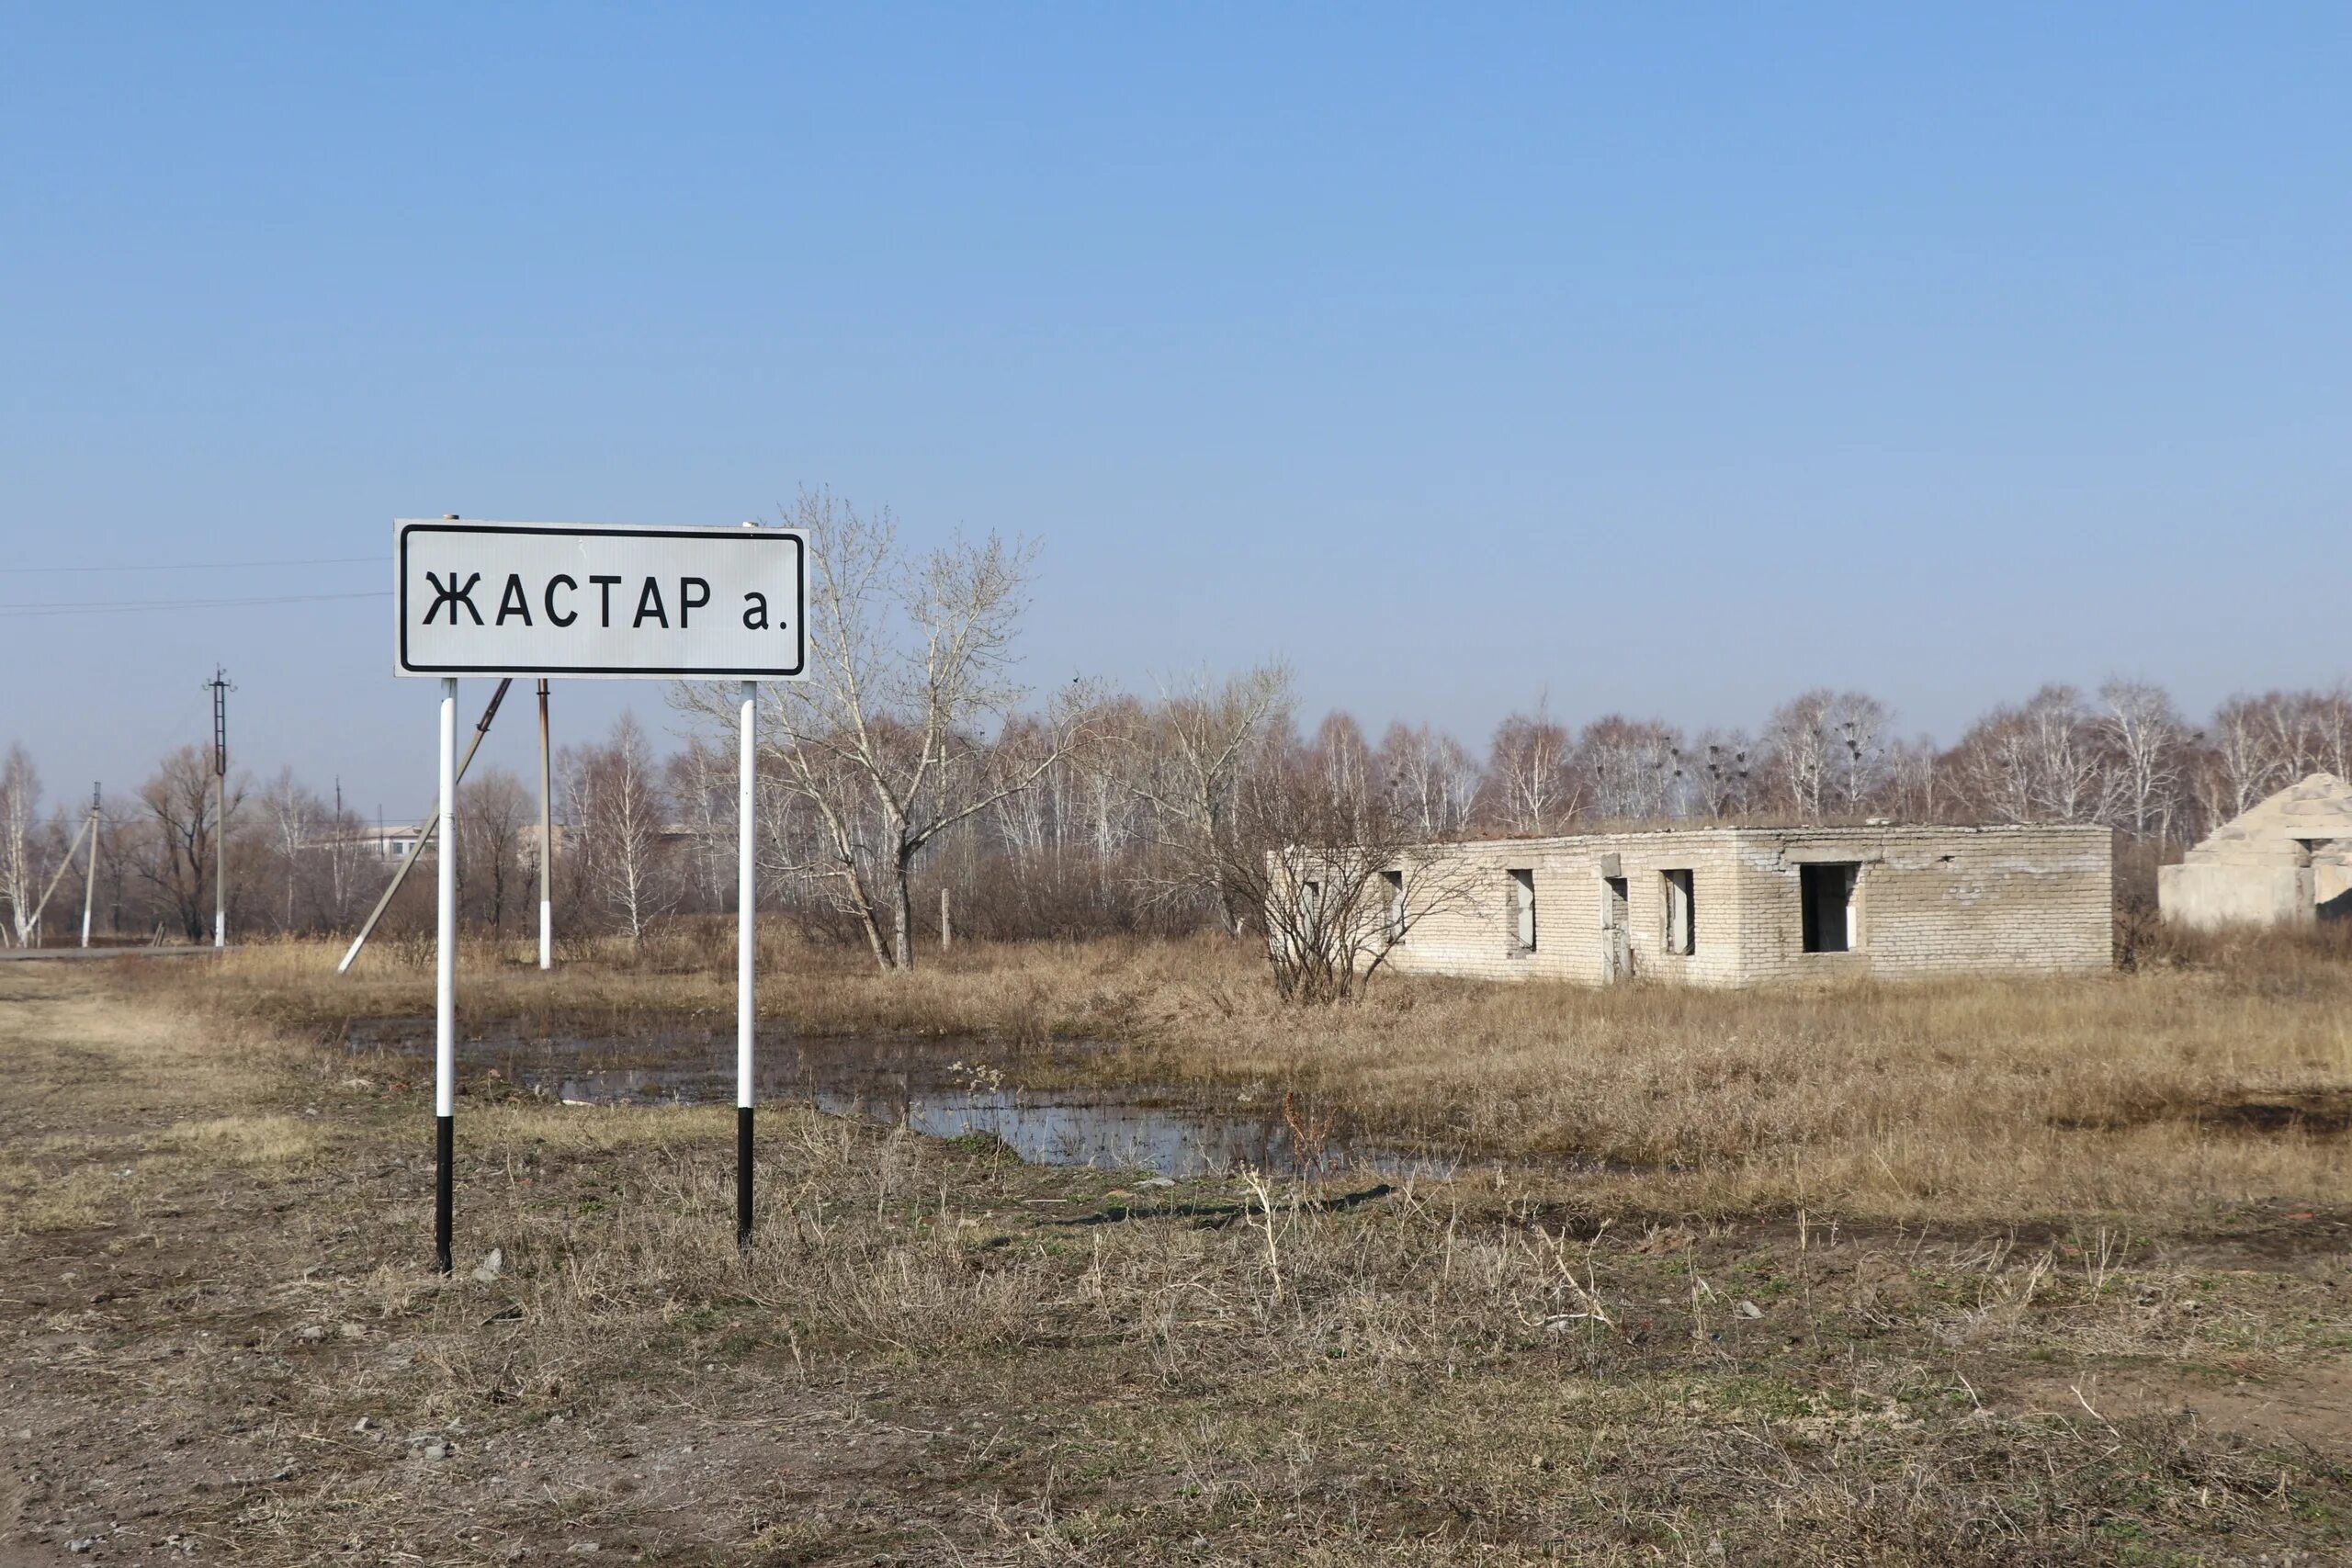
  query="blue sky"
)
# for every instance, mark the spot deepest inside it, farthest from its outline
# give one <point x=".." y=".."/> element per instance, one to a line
<point x="1668" y="359"/>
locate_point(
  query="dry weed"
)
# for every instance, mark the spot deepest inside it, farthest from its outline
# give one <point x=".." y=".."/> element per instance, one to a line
<point x="2217" y="1079"/>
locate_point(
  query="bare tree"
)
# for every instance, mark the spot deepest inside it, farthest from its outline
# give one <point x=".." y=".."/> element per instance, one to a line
<point x="2329" y="721"/>
<point x="20" y="841"/>
<point x="1188" y="760"/>
<point x="293" y="818"/>
<point x="2038" y="762"/>
<point x="1343" y="754"/>
<point x="700" y="781"/>
<point x="1434" y="777"/>
<point x="616" y="810"/>
<point x="911" y="665"/>
<point x="2071" y="775"/>
<point x="1535" y="789"/>
<point x="1335" y="870"/>
<point x="2149" y="751"/>
<point x="2244" y="764"/>
<point x="492" y="809"/>
<point x="178" y="863"/>
<point x="1915" y="789"/>
<point x="1635" y="767"/>
<point x="1829" y="751"/>
<point x="1724" y="780"/>
<point x="343" y="862"/>
<point x="121" y="848"/>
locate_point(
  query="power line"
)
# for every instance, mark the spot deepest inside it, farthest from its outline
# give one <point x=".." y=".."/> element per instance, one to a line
<point x="119" y="606"/>
<point x="199" y="565"/>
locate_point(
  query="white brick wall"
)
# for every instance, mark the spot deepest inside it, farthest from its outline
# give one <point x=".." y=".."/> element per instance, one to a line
<point x="1930" y="900"/>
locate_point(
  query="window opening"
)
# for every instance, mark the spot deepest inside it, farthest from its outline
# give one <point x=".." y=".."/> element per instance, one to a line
<point x="1826" y="892"/>
<point x="1681" y="925"/>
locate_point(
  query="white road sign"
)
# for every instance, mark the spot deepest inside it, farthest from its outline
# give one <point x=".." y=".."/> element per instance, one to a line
<point x="571" y="599"/>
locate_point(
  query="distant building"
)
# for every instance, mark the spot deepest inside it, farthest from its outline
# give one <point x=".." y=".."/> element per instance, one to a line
<point x="2287" y="861"/>
<point x="392" y="841"/>
<point x="1736" y="906"/>
<point x="385" y="841"/>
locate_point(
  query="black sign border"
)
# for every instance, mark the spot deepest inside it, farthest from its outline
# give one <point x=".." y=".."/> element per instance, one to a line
<point x="585" y="530"/>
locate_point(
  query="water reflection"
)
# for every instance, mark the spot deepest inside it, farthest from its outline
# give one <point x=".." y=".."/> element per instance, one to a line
<point x="930" y="1086"/>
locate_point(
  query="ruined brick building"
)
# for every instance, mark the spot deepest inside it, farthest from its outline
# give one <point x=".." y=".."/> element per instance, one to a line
<point x="1730" y="905"/>
<point x="2286" y="860"/>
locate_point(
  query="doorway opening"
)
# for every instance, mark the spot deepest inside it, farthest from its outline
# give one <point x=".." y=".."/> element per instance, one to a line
<point x="1616" y="934"/>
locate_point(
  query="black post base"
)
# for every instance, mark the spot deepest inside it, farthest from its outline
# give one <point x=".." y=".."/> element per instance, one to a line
<point x="742" y="1176"/>
<point x="443" y="1146"/>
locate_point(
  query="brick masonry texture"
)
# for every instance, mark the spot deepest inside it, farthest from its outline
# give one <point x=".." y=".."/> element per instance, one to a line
<point x="1926" y="901"/>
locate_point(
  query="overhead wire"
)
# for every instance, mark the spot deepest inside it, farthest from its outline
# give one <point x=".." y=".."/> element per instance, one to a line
<point x="120" y="606"/>
<point x="197" y="565"/>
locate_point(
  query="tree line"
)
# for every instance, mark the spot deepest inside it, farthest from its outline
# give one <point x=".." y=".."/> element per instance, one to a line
<point x="914" y="760"/>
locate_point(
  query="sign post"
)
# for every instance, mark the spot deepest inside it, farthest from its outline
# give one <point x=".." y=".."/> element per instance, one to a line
<point x="746" y="952"/>
<point x="540" y="599"/>
<point x="444" y="982"/>
<point x="547" y="842"/>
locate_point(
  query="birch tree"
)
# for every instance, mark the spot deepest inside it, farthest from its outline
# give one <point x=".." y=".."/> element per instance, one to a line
<point x="1635" y="768"/>
<point x="1435" y="778"/>
<point x="291" y="815"/>
<point x="20" y="841"/>
<point x="1723" y="778"/>
<point x="910" y="671"/>
<point x="1829" y="752"/>
<point x="2037" y="763"/>
<point x="614" y="800"/>
<point x="1535" y="788"/>
<point x="2149" y="751"/>
<point x="1188" y="761"/>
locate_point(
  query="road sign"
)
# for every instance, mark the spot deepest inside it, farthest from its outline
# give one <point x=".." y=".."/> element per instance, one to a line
<point x="571" y="599"/>
<point x="511" y="599"/>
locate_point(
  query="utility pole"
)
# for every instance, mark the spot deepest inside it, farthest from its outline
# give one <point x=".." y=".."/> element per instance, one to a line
<point x="221" y="686"/>
<point x="90" y="881"/>
<point x="424" y="831"/>
<point x="547" y="842"/>
<point x="88" y="829"/>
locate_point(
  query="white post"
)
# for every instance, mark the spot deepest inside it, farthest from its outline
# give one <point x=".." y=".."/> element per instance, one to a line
<point x="547" y="843"/>
<point x="746" y="949"/>
<point x="90" y="877"/>
<point x="444" y="986"/>
<point x="219" y="687"/>
<point x="219" y="859"/>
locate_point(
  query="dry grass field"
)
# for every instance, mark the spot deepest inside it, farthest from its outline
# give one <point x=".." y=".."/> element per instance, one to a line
<point x="2198" y="1085"/>
<point x="2032" y="1274"/>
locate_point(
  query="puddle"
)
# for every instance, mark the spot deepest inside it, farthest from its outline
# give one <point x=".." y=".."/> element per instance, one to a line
<point x="941" y="1088"/>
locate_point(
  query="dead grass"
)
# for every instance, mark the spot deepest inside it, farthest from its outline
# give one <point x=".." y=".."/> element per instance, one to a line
<point x="248" y="1139"/>
<point x="2212" y="1077"/>
<point x="37" y="1199"/>
<point x="934" y="1354"/>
